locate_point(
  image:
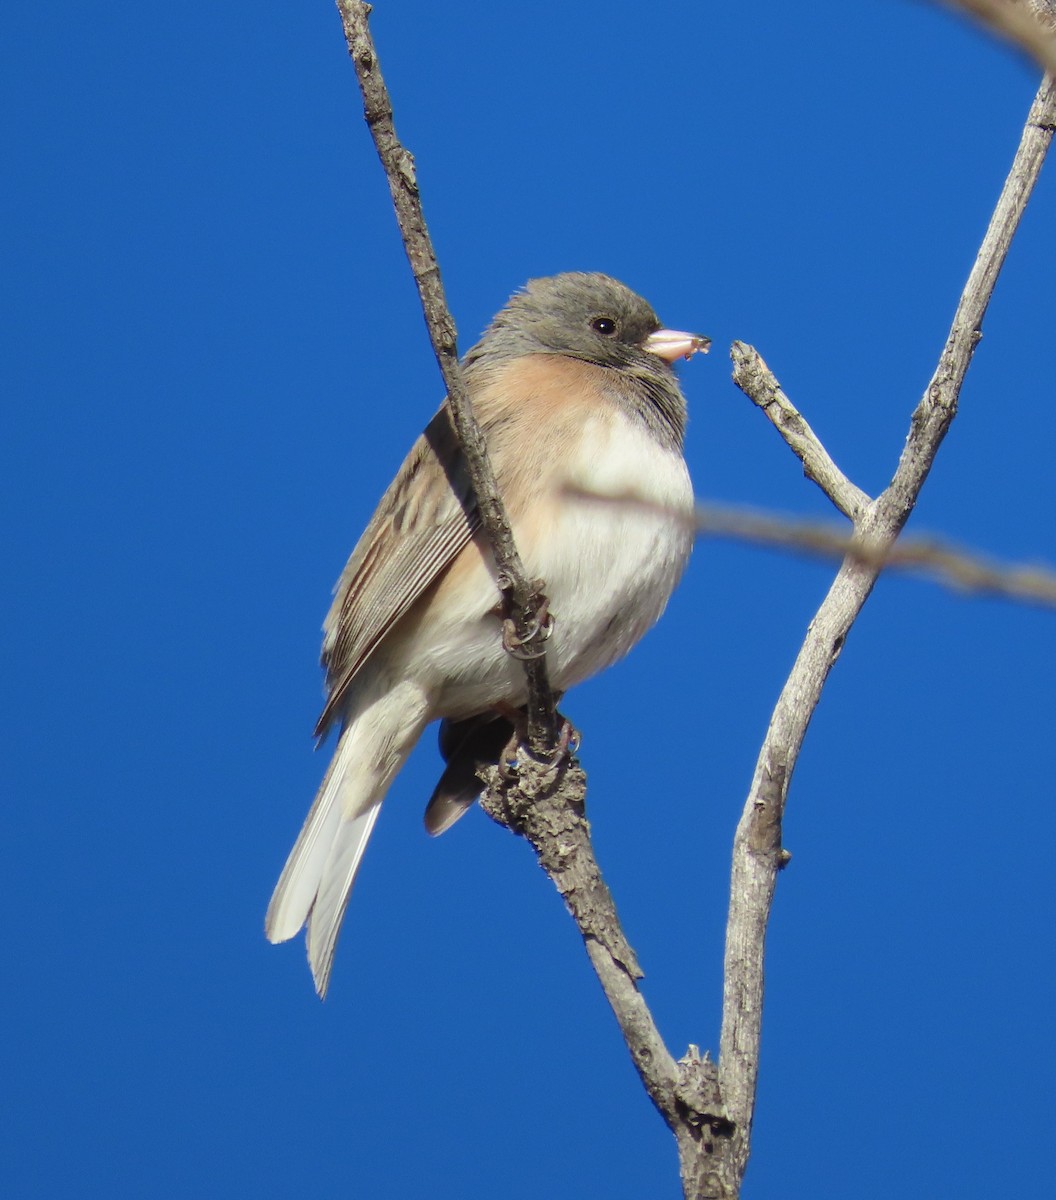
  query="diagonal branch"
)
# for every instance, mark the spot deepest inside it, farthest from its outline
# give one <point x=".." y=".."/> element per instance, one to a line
<point x="525" y="600"/>
<point x="757" y="854"/>
<point x="938" y="406"/>
<point x="548" y="812"/>
<point x="756" y="380"/>
<point x="559" y="833"/>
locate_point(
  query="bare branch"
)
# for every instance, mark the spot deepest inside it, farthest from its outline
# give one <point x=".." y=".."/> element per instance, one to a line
<point x="757" y="854"/>
<point x="560" y="835"/>
<point x="938" y="406"/>
<point x="708" y="1107"/>
<point x="756" y="380"/>
<point x="548" y="810"/>
<point x="399" y="170"/>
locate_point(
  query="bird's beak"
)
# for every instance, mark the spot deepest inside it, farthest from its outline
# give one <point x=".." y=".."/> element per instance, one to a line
<point x="670" y="344"/>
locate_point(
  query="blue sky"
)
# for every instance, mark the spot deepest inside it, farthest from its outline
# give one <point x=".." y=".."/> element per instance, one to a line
<point x="213" y="364"/>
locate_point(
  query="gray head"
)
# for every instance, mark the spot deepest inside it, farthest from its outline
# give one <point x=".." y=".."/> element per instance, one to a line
<point x="587" y="316"/>
<point x="597" y="319"/>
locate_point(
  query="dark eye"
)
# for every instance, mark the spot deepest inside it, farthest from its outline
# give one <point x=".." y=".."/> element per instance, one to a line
<point x="606" y="326"/>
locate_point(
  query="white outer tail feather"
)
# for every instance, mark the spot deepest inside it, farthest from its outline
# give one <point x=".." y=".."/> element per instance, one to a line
<point x="317" y="880"/>
<point x="318" y="876"/>
<point x="294" y="894"/>
<point x="335" y="887"/>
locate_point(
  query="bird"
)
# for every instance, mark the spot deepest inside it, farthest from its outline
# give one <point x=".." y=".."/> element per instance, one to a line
<point x="574" y="387"/>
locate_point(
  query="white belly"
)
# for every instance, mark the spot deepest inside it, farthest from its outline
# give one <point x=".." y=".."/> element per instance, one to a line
<point x="608" y="569"/>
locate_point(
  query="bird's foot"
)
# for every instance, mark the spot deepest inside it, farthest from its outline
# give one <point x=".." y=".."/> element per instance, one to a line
<point x="528" y="645"/>
<point x="568" y="741"/>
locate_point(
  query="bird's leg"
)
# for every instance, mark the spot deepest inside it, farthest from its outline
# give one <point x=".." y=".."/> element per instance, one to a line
<point x="539" y="630"/>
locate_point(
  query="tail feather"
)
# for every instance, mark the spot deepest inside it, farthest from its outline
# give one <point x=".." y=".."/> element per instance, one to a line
<point x="317" y="879"/>
<point x="295" y="893"/>
<point x="467" y="746"/>
<point x="328" y="911"/>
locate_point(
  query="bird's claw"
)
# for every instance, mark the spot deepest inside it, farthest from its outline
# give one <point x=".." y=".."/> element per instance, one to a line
<point x="530" y="645"/>
<point x="568" y="744"/>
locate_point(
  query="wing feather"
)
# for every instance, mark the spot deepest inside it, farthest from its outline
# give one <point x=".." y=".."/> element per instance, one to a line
<point x="429" y="513"/>
<point x="426" y="517"/>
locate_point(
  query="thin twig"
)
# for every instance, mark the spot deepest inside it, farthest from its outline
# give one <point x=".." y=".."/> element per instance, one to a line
<point x="756" y="380"/>
<point x="960" y="570"/>
<point x="399" y="167"/>
<point x="757" y="854"/>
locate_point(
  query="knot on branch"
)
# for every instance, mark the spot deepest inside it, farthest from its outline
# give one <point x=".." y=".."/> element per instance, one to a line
<point x="408" y="170"/>
<point x="752" y="375"/>
<point x="536" y="799"/>
<point x="698" y="1099"/>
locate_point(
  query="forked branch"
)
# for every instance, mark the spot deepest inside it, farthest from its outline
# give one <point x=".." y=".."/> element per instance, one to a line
<point x="757" y="854"/>
<point x="708" y="1106"/>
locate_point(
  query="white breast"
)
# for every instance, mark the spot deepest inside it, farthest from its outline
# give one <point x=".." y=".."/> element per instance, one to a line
<point x="611" y="567"/>
<point x="608" y="570"/>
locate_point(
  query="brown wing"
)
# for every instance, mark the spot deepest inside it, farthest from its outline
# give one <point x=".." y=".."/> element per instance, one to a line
<point x="424" y="519"/>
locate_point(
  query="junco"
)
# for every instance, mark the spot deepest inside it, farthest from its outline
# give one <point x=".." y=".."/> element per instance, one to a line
<point x="573" y="385"/>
